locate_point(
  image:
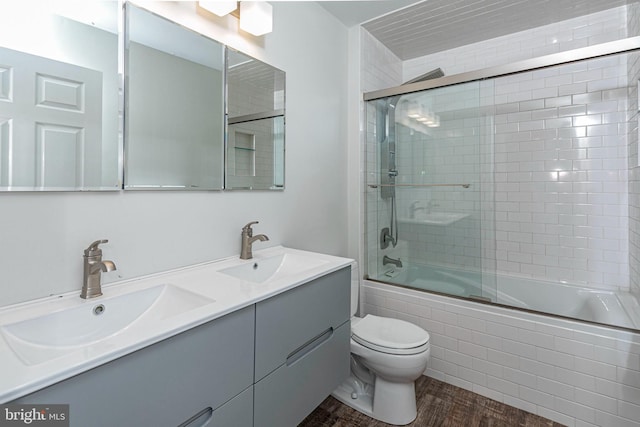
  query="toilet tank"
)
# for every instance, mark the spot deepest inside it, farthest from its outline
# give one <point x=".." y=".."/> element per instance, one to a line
<point x="355" y="288"/>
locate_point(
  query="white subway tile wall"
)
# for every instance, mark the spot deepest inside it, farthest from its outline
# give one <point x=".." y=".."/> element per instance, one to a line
<point x="573" y="373"/>
<point x="560" y="158"/>
<point x="633" y="64"/>
<point x="380" y="69"/>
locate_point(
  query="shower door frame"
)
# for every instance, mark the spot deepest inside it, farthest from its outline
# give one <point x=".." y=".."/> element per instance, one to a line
<point x="604" y="49"/>
<point x="622" y="46"/>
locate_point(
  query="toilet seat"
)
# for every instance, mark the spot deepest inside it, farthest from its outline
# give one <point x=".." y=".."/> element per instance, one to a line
<point x="386" y="335"/>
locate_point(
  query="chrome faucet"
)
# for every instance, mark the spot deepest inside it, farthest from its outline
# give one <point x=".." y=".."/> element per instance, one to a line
<point x="93" y="266"/>
<point x="387" y="260"/>
<point x="247" y="240"/>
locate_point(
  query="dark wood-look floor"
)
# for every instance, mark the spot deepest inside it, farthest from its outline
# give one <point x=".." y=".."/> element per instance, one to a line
<point x="439" y="404"/>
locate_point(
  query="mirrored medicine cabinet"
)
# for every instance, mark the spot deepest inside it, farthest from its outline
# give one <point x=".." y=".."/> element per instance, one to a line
<point x="255" y="108"/>
<point x="195" y="115"/>
<point x="59" y="97"/>
<point x="175" y="118"/>
<point x="174" y="105"/>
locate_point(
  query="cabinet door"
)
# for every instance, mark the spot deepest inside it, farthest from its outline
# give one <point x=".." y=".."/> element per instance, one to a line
<point x="166" y="383"/>
<point x="289" y="321"/>
<point x="287" y="395"/>
<point x="238" y="412"/>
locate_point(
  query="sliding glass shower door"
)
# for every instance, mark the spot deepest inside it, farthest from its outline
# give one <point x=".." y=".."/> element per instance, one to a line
<point x="429" y="161"/>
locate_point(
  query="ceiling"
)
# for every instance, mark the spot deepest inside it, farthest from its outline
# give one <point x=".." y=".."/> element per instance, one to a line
<point x="356" y="12"/>
<point x="412" y="29"/>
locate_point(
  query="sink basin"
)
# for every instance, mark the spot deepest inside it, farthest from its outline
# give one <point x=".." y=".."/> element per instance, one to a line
<point x="259" y="270"/>
<point x="95" y="320"/>
<point x="435" y="218"/>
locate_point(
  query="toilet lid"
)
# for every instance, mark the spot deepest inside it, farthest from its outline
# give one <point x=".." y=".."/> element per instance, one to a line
<point x="389" y="335"/>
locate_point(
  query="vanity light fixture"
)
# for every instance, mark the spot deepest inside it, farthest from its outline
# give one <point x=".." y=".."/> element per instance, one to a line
<point x="256" y="17"/>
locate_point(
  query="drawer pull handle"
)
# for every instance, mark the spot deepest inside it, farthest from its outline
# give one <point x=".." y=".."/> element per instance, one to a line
<point x="309" y="346"/>
<point x="200" y="419"/>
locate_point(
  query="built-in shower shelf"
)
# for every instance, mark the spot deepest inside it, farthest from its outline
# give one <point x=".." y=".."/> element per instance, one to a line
<point x="419" y="185"/>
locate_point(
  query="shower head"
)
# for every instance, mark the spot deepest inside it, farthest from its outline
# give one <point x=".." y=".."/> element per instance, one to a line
<point x="433" y="74"/>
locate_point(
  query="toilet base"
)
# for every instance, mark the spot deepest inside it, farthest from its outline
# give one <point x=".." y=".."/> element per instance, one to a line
<point x="362" y="403"/>
<point x="392" y="403"/>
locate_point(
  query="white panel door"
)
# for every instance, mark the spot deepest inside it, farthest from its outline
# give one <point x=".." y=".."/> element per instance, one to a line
<point x="50" y="120"/>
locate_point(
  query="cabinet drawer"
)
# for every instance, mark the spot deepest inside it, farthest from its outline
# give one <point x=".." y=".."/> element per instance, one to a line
<point x="166" y="383"/>
<point x="238" y="412"/>
<point x="291" y="392"/>
<point x="288" y="321"/>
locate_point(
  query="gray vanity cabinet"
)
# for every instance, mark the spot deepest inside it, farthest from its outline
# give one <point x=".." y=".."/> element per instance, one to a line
<point x="302" y="349"/>
<point x="203" y="376"/>
<point x="269" y="364"/>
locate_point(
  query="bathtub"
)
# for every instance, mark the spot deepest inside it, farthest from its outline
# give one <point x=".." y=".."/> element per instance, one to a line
<point x="600" y="306"/>
<point x="574" y="372"/>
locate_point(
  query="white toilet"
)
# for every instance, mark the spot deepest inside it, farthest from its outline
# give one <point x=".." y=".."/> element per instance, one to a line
<point x="387" y="356"/>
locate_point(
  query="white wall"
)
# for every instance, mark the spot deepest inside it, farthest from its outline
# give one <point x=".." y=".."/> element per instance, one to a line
<point x="43" y="235"/>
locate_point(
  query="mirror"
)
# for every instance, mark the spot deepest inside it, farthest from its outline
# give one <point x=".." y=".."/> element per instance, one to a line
<point x="59" y="102"/>
<point x="174" y="106"/>
<point x="255" y="124"/>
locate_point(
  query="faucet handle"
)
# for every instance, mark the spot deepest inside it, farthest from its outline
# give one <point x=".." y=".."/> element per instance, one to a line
<point x="93" y="249"/>
<point x="247" y="228"/>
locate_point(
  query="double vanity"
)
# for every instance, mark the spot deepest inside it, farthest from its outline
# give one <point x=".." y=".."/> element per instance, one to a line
<point x="257" y="342"/>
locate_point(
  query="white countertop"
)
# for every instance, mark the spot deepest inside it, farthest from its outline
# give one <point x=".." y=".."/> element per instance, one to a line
<point x="19" y="377"/>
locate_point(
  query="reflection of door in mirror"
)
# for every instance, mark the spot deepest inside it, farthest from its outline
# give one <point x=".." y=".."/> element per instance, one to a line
<point x="59" y="104"/>
<point x="174" y="126"/>
<point x="58" y="130"/>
